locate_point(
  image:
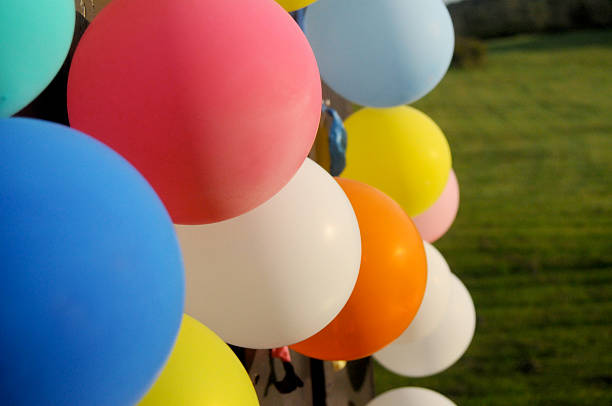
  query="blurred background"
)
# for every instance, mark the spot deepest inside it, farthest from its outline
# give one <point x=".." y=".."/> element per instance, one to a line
<point x="527" y="110"/>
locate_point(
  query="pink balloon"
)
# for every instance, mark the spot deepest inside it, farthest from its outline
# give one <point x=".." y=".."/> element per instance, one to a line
<point x="215" y="102"/>
<point x="435" y="221"/>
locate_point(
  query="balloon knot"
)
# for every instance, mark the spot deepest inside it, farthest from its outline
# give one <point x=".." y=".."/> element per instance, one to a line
<point x="337" y="141"/>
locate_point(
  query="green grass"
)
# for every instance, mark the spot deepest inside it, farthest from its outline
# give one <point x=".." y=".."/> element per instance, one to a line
<point x="531" y="136"/>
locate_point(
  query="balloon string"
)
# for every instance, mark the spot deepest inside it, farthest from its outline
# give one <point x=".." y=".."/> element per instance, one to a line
<point x="298" y="16"/>
<point x="337" y="141"/>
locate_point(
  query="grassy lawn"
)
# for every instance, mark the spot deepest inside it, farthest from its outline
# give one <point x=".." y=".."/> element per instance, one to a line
<point x="531" y="135"/>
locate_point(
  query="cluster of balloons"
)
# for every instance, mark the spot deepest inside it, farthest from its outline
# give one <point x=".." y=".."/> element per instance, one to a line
<point x="279" y="273"/>
<point x="188" y="122"/>
<point x="402" y="152"/>
<point x="390" y="286"/>
<point x="182" y="198"/>
<point x="442" y="330"/>
<point x="383" y="55"/>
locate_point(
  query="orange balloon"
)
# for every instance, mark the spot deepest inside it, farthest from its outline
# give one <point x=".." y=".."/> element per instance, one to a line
<point x="390" y="286"/>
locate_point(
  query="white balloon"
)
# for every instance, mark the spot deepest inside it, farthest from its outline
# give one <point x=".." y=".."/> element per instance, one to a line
<point x="435" y="302"/>
<point x="278" y="274"/>
<point x="411" y="396"/>
<point x="443" y="347"/>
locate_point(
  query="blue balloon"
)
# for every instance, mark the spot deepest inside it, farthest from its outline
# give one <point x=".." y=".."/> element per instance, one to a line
<point x="34" y="40"/>
<point x="91" y="276"/>
<point x="381" y="53"/>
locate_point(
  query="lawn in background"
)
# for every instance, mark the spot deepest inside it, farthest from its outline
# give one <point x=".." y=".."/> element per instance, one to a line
<point x="531" y="137"/>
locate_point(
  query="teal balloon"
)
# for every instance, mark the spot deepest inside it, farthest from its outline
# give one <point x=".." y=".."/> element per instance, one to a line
<point x="34" y="40"/>
<point x="381" y="53"/>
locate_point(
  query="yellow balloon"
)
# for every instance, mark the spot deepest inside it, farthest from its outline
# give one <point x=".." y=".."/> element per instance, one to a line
<point x="201" y="371"/>
<point x="292" y="5"/>
<point x="400" y="151"/>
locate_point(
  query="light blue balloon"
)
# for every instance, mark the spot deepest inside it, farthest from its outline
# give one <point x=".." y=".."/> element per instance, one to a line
<point x="381" y="53"/>
<point x="35" y="37"/>
<point x="91" y="274"/>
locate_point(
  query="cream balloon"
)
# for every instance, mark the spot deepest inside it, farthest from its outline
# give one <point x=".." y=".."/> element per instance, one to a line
<point x="411" y="396"/>
<point x="443" y="347"/>
<point x="435" y="302"/>
<point x="280" y="273"/>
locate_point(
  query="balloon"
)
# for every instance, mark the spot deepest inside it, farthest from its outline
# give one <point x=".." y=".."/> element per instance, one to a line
<point x="434" y="222"/>
<point x="215" y="111"/>
<point x="381" y="53"/>
<point x="279" y="273"/>
<point x="443" y="347"/>
<point x="201" y="371"/>
<point x="50" y="105"/>
<point x="390" y="286"/>
<point x="35" y="37"/>
<point x="411" y="396"/>
<point x="92" y="284"/>
<point x="292" y="5"/>
<point x="435" y="302"/>
<point x="400" y="151"/>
